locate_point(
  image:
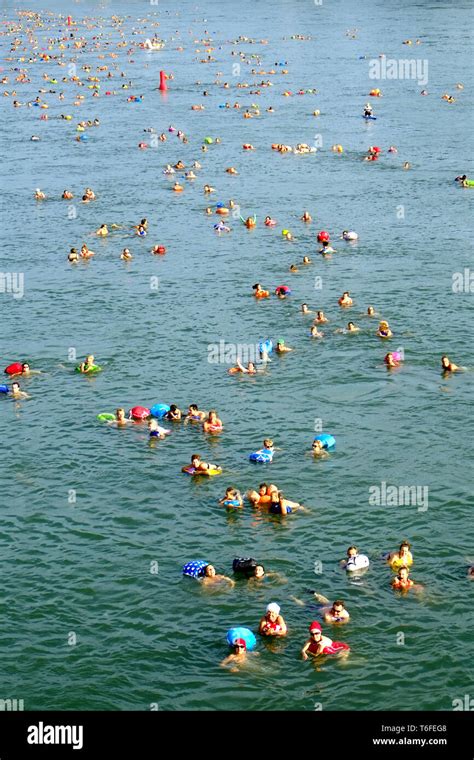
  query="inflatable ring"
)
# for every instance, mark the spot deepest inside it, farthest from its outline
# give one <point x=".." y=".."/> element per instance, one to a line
<point x="336" y="647"/>
<point x="264" y="455"/>
<point x="195" y="568"/>
<point x="262" y="294"/>
<point x="265" y="346"/>
<point x="106" y="417"/>
<point x="13" y="369"/>
<point x="222" y="211"/>
<point x="328" y="441"/>
<point x="140" y="412"/>
<point x="4" y="389"/>
<point x="159" y="410"/>
<point x="241" y="633"/>
<point x="231" y="503"/>
<point x="211" y="471"/>
<point x="94" y="368"/>
<point x="359" y="562"/>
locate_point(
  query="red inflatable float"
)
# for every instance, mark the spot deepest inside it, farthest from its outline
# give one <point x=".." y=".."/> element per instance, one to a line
<point x="323" y="236"/>
<point x="14" y="369"/>
<point x="336" y="647"/>
<point x="139" y="413"/>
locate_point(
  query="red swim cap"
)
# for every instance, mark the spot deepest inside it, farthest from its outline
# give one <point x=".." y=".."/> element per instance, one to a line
<point x="240" y="643"/>
<point x="314" y="626"/>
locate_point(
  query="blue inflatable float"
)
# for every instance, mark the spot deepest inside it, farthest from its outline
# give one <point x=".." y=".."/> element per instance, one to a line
<point x="231" y="503"/>
<point x="159" y="410"/>
<point x="328" y="441"/>
<point x="4" y="389"/>
<point x="242" y="633"/>
<point x="266" y="346"/>
<point x="195" y="568"/>
<point x="264" y="455"/>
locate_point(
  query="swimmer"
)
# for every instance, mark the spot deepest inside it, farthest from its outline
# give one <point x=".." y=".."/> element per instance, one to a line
<point x="194" y="414"/>
<point x="352" y="553"/>
<point x="259" y="291"/>
<point x="39" y="195"/>
<point x="212" y="424"/>
<point x="120" y="417"/>
<point x="25" y="370"/>
<point x="314" y="332"/>
<point x="86" y="253"/>
<point x="351" y="327"/>
<point x="306" y="217"/>
<point x="306" y="260"/>
<point x="17" y="393"/>
<point x="391" y="360"/>
<point x="304" y="309"/>
<point x="102" y="231"/>
<point x="73" y="256"/>
<point x="221" y="227"/>
<point x="87" y="365"/>
<point x="316" y="642"/>
<point x="281" y="506"/>
<point x="231" y="170"/>
<point x="448" y="366"/>
<point x="198" y="465"/>
<point x="327" y="248"/>
<point x="67" y="195"/>
<point x="179" y="165"/>
<point x="156" y="431"/>
<point x="392" y="149"/>
<point x="269" y="222"/>
<point x="318" y="450"/>
<point x="158" y="250"/>
<point x="370" y="311"/>
<point x="263" y="495"/>
<point x="250" y="222"/>
<point x="401" y="558"/>
<point x="288" y="236"/>
<point x="402" y="582"/>
<point x="238" y="656"/>
<point x="293" y="268"/>
<point x="281" y="348"/>
<point x="345" y="300"/>
<point x="336" y="613"/>
<point x="367" y="109"/>
<point x="126" y="255"/>
<point x="272" y="623"/>
<point x="178" y="188"/>
<point x="209" y="189"/>
<point x="250" y="369"/>
<point x="407" y="165"/>
<point x="211" y="577"/>
<point x="140" y="230"/>
<point x="89" y="193"/>
<point x="174" y="414"/>
<point x="384" y="330"/>
<point x="208" y="211"/>
<point x="232" y="494"/>
<point x="190" y="175"/>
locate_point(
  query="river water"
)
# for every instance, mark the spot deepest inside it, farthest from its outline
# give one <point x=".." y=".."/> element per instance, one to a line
<point x="95" y="522"/>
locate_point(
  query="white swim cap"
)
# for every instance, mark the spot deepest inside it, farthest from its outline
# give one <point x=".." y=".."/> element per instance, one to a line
<point x="273" y="607"/>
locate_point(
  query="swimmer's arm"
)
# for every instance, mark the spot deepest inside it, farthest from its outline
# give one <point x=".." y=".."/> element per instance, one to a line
<point x="241" y="366"/>
<point x="320" y="598"/>
<point x="304" y="650"/>
<point x="297" y="601"/>
<point x="229" y="581"/>
<point x="227" y="661"/>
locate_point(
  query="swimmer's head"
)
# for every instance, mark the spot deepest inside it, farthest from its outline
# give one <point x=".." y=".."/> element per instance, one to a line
<point x="257" y="286"/>
<point x="15" y="387"/>
<point x="239" y="645"/>
<point x="90" y="359"/>
<point x="259" y="571"/>
<point x="337" y="607"/>
<point x="25" y="367"/>
<point x="445" y="362"/>
<point x="210" y="571"/>
<point x="193" y="408"/>
<point x="272" y="611"/>
<point x="403" y="573"/>
<point x="195" y="460"/>
<point x="173" y="408"/>
<point x="212" y="414"/>
<point x="120" y="413"/>
<point x="251" y="367"/>
<point x="268" y="443"/>
<point x="352" y="551"/>
<point x="262" y="488"/>
<point x="404" y="547"/>
<point x="370" y="310"/>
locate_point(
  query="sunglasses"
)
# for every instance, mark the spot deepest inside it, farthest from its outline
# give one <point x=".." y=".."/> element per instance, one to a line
<point x="315" y="633"/>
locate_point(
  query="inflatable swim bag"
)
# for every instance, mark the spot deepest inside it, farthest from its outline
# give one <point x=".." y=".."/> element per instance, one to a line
<point x="195" y="568"/>
<point x="13" y="369"/>
<point x="328" y="441"/>
<point x="241" y="633"/>
<point x="359" y="562"/>
<point x="264" y="455"/>
<point x="139" y="413"/>
<point x="159" y="410"/>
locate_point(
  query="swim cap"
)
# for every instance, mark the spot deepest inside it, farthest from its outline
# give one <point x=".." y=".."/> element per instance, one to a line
<point x="240" y="643"/>
<point x="280" y="342"/>
<point x="273" y="607"/>
<point x="314" y="626"/>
